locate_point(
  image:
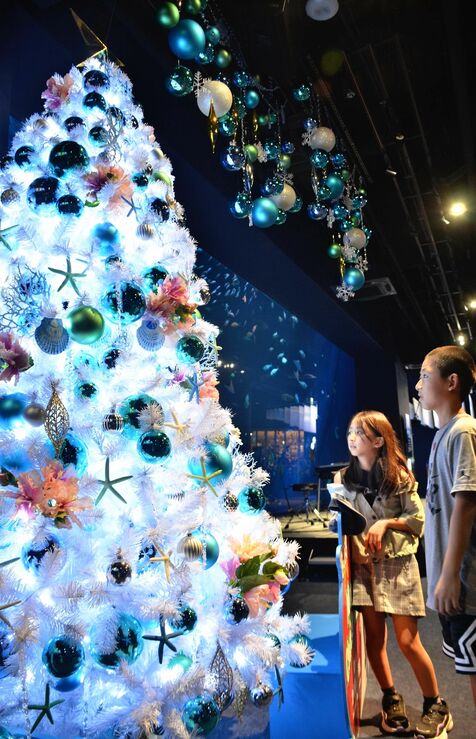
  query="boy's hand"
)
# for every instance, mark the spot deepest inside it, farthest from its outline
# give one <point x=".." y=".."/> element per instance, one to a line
<point x="374" y="536"/>
<point x="447" y="593"/>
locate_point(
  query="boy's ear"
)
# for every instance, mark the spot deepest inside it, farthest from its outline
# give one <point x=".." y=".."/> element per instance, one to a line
<point x="453" y="381"/>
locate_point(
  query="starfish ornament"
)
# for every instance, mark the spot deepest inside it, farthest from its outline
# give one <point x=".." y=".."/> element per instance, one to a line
<point x="45" y="708"/>
<point x="204" y="478"/>
<point x="165" y="558"/>
<point x="164" y="639"/>
<point x="176" y="425"/>
<point x="195" y="385"/>
<point x="69" y="276"/>
<point x="109" y="485"/>
<point x="132" y="206"/>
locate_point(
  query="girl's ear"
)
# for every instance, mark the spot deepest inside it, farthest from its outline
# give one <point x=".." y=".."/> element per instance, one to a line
<point x="379" y="442"/>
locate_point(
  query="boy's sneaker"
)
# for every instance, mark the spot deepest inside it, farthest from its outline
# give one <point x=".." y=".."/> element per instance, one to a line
<point x="394" y="717"/>
<point x="434" y="721"/>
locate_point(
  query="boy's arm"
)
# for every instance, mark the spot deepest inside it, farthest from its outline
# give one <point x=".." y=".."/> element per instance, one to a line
<point x="448" y="587"/>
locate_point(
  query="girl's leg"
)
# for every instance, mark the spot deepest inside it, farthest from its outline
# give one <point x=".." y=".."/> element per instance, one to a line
<point x="376" y="642"/>
<point x="408" y="638"/>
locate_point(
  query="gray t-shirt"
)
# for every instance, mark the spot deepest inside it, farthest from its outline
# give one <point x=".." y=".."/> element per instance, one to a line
<point x="451" y="469"/>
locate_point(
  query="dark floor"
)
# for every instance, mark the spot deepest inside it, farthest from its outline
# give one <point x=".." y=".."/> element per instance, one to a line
<point x="317" y="593"/>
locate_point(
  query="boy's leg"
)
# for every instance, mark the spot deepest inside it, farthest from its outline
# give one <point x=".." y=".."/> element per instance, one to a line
<point x="473" y="688"/>
<point x="459" y="640"/>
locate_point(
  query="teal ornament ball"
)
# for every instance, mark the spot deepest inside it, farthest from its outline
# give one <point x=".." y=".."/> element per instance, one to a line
<point x="180" y="81"/>
<point x="42" y="194"/>
<point x="319" y="158"/>
<point x="210" y="549"/>
<point x="124" y="302"/>
<point x="98" y="136"/>
<point x="233" y="158"/>
<point x="106" y="238"/>
<point x="281" y="217"/>
<point x="128" y="642"/>
<point x="32" y="554"/>
<point x="130" y="410"/>
<point x="354" y="278"/>
<point x="324" y="192"/>
<point x="252" y="99"/>
<point x="227" y="125"/>
<point x="190" y="349"/>
<point x="154" y="446"/>
<point x="335" y="185"/>
<point x="264" y="213"/>
<point x="154" y="276"/>
<point x="338" y="160"/>
<point x="64" y="658"/>
<point x="207" y="55"/>
<point x="271" y="149"/>
<point x="85" y="324"/>
<point x="69" y="205"/>
<point x="200" y="715"/>
<point x="316" y="211"/>
<point x="345" y="224"/>
<point x="216" y="460"/>
<point x="242" y="79"/>
<point x="251" y="500"/>
<point x="359" y="201"/>
<point x="297" y="205"/>
<point x="302" y="93"/>
<point x="168" y="15"/>
<point x="213" y="35"/>
<point x="340" y="212"/>
<point x="186" y="619"/>
<point x="74" y="451"/>
<point x="187" y="39"/>
<point x="240" y="207"/>
<point x="67" y="156"/>
<point x="222" y="58"/>
<point x="12" y="407"/>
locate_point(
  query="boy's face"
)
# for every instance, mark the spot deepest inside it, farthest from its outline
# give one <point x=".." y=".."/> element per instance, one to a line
<point x="433" y="389"/>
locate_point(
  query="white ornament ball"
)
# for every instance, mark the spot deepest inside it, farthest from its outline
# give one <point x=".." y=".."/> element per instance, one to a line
<point x="219" y="94"/>
<point x="286" y="198"/>
<point x="355" y="237"/>
<point x="322" y="138"/>
<point x="321" y="10"/>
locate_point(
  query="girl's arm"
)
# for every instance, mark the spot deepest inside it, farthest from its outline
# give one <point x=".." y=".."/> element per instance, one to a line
<point x="411" y="520"/>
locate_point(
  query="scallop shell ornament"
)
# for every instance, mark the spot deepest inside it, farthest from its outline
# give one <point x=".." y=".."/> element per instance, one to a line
<point x="51" y="336"/>
<point x="150" y="335"/>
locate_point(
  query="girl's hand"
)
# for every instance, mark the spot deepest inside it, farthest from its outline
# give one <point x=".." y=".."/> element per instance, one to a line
<point x="373" y="539"/>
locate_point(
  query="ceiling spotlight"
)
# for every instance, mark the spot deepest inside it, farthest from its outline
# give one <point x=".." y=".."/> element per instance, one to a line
<point x="472" y="304"/>
<point x="321" y="10"/>
<point x="461" y="339"/>
<point x="458" y="208"/>
<point x="445" y="220"/>
<point x="400" y="136"/>
<point x="391" y="172"/>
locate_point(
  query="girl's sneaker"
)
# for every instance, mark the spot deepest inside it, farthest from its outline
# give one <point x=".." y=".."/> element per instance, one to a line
<point x="435" y="721"/>
<point x="394" y="717"/>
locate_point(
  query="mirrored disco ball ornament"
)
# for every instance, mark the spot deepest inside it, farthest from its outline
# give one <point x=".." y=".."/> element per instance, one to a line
<point x="130" y="410"/>
<point x="124" y="302"/>
<point x="33" y="553"/>
<point x="128" y="641"/>
<point x="180" y="81"/>
<point x="154" y="446"/>
<point x="42" y="194"/>
<point x="95" y="79"/>
<point x="64" y="657"/>
<point x="74" y="451"/>
<point x="189" y="349"/>
<point x="67" y="156"/>
<point x="251" y="500"/>
<point x="200" y="715"/>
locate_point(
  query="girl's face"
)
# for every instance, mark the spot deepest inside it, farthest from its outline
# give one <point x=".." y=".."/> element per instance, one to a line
<point x="361" y="444"/>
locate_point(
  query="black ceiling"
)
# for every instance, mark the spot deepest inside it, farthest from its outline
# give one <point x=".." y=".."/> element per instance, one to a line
<point x="404" y="68"/>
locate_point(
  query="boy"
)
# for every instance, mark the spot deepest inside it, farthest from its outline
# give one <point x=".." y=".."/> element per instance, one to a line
<point x="447" y="375"/>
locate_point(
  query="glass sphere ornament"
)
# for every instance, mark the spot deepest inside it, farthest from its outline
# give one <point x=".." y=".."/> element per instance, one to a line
<point x="215" y="460"/>
<point x="334" y="251"/>
<point x="168" y="15"/>
<point x="187" y="39"/>
<point x="5" y="162"/>
<point x="86" y="390"/>
<point x="154" y="276"/>
<point x="322" y="138"/>
<point x="9" y="197"/>
<point x="85" y="324"/>
<point x="67" y="156"/>
<point x="128" y="641"/>
<point x="154" y="446"/>
<point x="292" y="570"/>
<point x="95" y="79"/>
<point x="271" y="150"/>
<point x="189" y="349"/>
<point x="140" y="180"/>
<point x="358" y="201"/>
<point x="227" y="125"/>
<point x="240" y="207"/>
<point x="340" y="212"/>
<point x="51" y="336"/>
<point x="194" y="7"/>
<point x="200" y="715"/>
<point x="297" y="205"/>
<point x="236" y="609"/>
<point x="210" y="550"/>
<point x="324" y="192"/>
<point x="261" y="695"/>
<point x="106" y="237"/>
<point x="12" y="408"/>
<point x="286" y="198"/>
<point x="302" y="93"/>
<point x="216" y="93"/>
<point x="73" y="122"/>
<point x="356" y="238"/>
<point x="98" y="136"/>
<point x="186" y="620"/>
<point x="316" y="211"/>
<point x="160" y="208"/>
<point x="180" y="81"/>
<point x="354" y="278"/>
<point x="213" y="35"/>
<point x="124" y="302"/>
<point x="338" y="160"/>
<point x="222" y="58"/>
<point x="319" y="158"/>
<point x="287" y="147"/>
<point x="69" y="205"/>
<point x="281" y="217"/>
<point x="42" y="194"/>
<point x="34" y="413"/>
<point x="24" y="156"/>
<point x="32" y="554"/>
<point x="345" y="224"/>
<point x="112" y="422"/>
<point x="207" y="55"/>
<point x="251" y="500"/>
<point x="264" y="213"/>
<point x="180" y="660"/>
<point x="335" y="185"/>
<point x="233" y="158"/>
<point x="228" y="502"/>
<point x="64" y="658"/>
<point x="7" y="648"/>
<point x="93" y="100"/>
<point x="74" y="451"/>
<point x="130" y="410"/>
<point x="119" y="572"/>
<point x="110" y="358"/>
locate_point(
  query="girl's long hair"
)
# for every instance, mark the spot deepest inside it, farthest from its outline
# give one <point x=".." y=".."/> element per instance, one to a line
<point x="390" y="468"/>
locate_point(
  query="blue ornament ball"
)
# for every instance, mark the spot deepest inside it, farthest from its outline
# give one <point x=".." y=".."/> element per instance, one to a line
<point x="74" y="451"/>
<point x="338" y="160"/>
<point x="96" y="79"/>
<point x="336" y="186"/>
<point x="213" y="35"/>
<point x="94" y="100"/>
<point x="190" y="349"/>
<point x="211" y="550"/>
<point x="297" y="205"/>
<point x="187" y="39"/>
<point x="354" y="278"/>
<point x="242" y="79"/>
<point x="24" y="156"/>
<point x="240" y="207"/>
<point x="207" y="55"/>
<point x="106" y="237"/>
<point x="154" y="446"/>
<point x="98" y="136"/>
<point x="124" y="302"/>
<point x="33" y="553"/>
<point x="251" y="500"/>
<point x="287" y="147"/>
<point x="252" y="99"/>
<point x="12" y="407"/>
<point x="271" y="149"/>
<point x="319" y="158"/>
<point x="316" y="211"/>
<point x="180" y="81"/>
<point x="340" y="212"/>
<point x="7" y="648"/>
<point x="42" y="194"/>
<point x="200" y="715"/>
<point x="130" y="410"/>
<point x="216" y="461"/>
<point x="67" y="156"/>
<point x="69" y="205"/>
<point x="264" y="213"/>
<point x="233" y="158"/>
<point x="302" y="93"/>
<point x="309" y="124"/>
<point x="128" y="641"/>
<point x="186" y="619"/>
<point x="64" y="658"/>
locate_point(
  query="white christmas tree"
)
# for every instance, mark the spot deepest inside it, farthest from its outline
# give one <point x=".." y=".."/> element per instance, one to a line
<point x="141" y="579"/>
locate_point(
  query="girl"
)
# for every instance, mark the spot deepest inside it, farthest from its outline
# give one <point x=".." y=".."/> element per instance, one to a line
<point x="385" y="576"/>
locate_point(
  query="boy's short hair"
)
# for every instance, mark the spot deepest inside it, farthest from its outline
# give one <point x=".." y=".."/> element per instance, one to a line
<point x="455" y="360"/>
